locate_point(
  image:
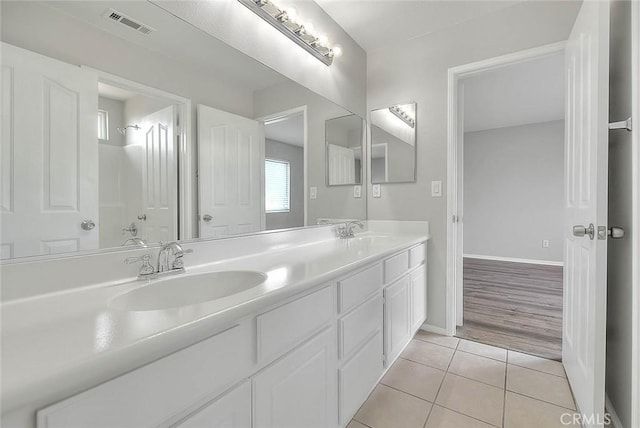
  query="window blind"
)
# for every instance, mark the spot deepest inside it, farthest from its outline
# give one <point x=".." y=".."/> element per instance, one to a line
<point x="277" y="185"/>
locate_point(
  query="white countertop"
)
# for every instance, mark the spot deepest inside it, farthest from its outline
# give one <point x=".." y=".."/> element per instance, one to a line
<point x="58" y="344"/>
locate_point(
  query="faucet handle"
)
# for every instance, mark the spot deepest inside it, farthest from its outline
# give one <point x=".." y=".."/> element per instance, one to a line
<point x="178" y="263"/>
<point x="146" y="268"/>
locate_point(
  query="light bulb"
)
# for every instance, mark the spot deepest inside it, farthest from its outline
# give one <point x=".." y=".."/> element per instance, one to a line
<point x="291" y="13"/>
<point x="323" y="40"/>
<point x="308" y="27"/>
<point x="337" y="51"/>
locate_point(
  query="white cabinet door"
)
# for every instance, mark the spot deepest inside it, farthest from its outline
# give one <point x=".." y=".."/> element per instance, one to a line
<point x="232" y="410"/>
<point x="396" y="318"/>
<point x="300" y="390"/>
<point x="230" y="173"/>
<point x="49" y="155"/>
<point x="418" y="286"/>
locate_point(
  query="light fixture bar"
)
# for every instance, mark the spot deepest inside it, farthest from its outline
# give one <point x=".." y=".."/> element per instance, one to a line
<point x="293" y="31"/>
<point x="403" y="116"/>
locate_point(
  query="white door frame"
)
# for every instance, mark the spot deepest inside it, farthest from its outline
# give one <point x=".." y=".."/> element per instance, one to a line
<point x="635" y="227"/>
<point x="292" y="112"/>
<point x="455" y="136"/>
<point x="185" y="191"/>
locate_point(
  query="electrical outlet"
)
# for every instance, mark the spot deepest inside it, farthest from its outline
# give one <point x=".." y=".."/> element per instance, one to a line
<point x="376" y="191"/>
<point x="313" y="192"/>
<point x="545" y="243"/>
<point x="357" y="191"/>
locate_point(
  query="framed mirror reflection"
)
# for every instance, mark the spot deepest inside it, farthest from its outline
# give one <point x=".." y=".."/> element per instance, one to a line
<point x="115" y="137"/>
<point x="343" y="137"/>
<point x="393" y="144"/>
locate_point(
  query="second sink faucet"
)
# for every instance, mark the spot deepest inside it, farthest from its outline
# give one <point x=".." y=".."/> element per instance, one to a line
<point x="346" y="230"/>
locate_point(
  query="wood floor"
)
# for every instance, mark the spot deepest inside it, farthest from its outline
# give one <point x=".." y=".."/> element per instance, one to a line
<point x="516" y="306"/>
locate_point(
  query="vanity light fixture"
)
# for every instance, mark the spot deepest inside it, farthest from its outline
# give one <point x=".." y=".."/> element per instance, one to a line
<point x="401" y="114"/>
<point x="285" y="21"/>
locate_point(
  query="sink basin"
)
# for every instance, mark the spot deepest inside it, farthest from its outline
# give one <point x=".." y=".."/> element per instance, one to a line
<point x="184" y="290"/>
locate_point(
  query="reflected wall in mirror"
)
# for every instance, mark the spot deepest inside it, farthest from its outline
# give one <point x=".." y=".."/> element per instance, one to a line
<point x="393" y="144"/>
<point x="343" y="137"/>
<point x="112" y="153"/>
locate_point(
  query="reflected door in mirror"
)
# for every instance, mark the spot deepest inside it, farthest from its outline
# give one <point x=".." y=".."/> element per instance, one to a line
<point x="343" y="137"/>
<point x="49" y="155"/>
<point x="231" y="164"/>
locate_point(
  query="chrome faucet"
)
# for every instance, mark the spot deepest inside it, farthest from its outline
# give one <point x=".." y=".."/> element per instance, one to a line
<point x="165" y="261"/>
<point x="135" y="241"/>
<point x="346" y="230"/>
<point x="169" y="261"/>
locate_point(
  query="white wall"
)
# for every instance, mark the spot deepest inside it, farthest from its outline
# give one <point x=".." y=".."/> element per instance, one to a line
<point x="416" y="70"/>
<point x="620" y="257"/>
<point x="343" y="82"/>
<point x="513" y="192"/>
<point x="333" y="201"/>
<point x="115" y="111"/>
<point x="295" y="156"/>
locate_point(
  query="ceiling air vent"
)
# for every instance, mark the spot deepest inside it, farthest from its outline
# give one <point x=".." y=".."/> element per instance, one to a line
<point x="114" y="15"/>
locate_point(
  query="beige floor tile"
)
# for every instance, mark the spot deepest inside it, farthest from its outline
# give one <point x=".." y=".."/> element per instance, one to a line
<point x="438" y="339"/>
<point x="389" y="408"/>
<point x="414" y="378"/>
<point x="445" y="418"/>
<point x="537" y="363"/>
<point x="472" y="398"/>
<point x="525" y="412"/>
<point x="543" y="386"/>
<point x="483" y="350"/>
<point x="428" y="353"/>
<point x="356" y="424"/>
<point x="478" y="368"/>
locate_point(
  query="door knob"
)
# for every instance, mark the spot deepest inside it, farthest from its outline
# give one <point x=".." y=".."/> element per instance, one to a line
<point x="580" y="231"/>
<point x="87" y="224"/>
<point x="207" y="218"/>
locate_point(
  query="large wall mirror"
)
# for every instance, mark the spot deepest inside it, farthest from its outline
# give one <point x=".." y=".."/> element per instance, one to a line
<point x="393" y="144"/>
<point x="123" y="125"/>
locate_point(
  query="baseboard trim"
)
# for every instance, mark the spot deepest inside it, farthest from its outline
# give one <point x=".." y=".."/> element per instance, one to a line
<point x="433" y="329"/>
<point x="615" y="420"/>
<point x="515" y="260"/>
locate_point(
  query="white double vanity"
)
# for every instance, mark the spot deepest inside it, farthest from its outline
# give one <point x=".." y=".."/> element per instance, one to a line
<point x="303" y="348"/>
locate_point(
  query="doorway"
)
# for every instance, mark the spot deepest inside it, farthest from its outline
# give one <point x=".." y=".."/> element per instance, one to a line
<point x="510" y="205"/>
<point x="285" y="169"/>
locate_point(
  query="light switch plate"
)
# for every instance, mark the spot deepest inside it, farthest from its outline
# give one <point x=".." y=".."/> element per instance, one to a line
<point x="376" y="191"/>
<point x="545" y="243"/>
<point x="357" y="191"/>
<point x="436" y="189"/>
<point x="313" y="192"/>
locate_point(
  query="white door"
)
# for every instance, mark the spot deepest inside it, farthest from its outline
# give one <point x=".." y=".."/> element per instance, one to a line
<point x="396" y="318"/>
<point x="230" y="171"/>
<point x="159" y="177"/>
<point x="342" y="165"/>
<point x="586" y="156"/>
<point x="232" y="410"/>
<point x="49" y="149"/>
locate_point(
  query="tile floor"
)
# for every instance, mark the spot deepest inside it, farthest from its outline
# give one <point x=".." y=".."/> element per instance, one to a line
<point x="446" y="382"/>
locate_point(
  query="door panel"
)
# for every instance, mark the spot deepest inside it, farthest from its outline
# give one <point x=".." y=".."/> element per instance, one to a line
<point x="586" y="156"/>
<point x="49" y="155"/>
<point x="231" y="164"/>
<point x="159" y="178"/>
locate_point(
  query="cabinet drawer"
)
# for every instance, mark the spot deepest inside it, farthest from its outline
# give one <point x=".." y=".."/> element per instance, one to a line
<point x="354" y="289"/>
<point x="360" y="324"/>
<point x="396" y="266"/>
<point x="417" y="255"/>
<point x="160" y="390"/>
<point x="359" y="376"/>
<point x="283" y="328"/>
